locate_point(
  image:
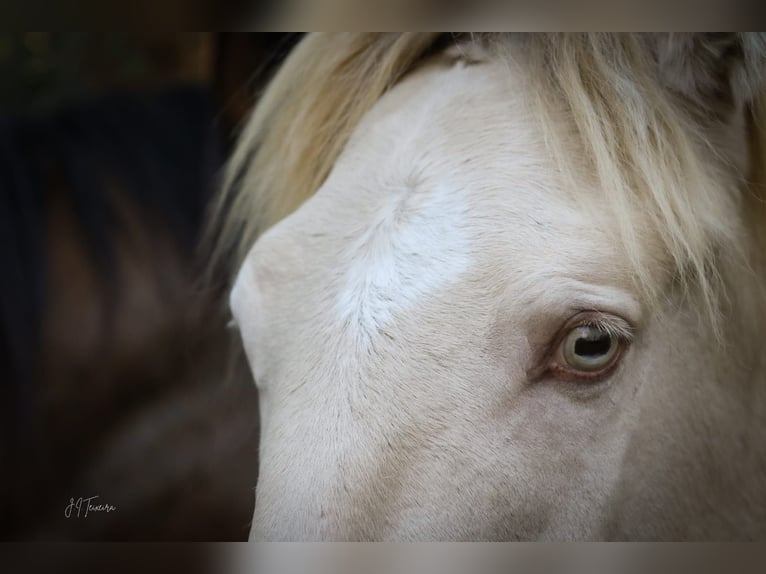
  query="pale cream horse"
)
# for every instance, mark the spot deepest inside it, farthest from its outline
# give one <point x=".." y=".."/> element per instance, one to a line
<point x="506" y="287"/>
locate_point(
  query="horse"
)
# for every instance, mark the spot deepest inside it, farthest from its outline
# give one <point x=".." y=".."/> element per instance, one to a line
<point x="102" y="202"/>
<point x="505" y="287"/>
<point x="111" y="350"/>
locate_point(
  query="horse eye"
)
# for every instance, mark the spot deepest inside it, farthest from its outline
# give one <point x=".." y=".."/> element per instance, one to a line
<point x="589" y="349"/>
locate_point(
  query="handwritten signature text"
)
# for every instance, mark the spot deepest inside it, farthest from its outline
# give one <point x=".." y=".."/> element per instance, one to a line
<point x="82" y="506"/>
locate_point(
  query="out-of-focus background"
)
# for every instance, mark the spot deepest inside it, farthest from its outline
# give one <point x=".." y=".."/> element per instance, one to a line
<point x="117" y="376"/>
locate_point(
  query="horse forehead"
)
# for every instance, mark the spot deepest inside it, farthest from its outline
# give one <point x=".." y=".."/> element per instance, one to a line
<point x="447" y="160"/>
<point x="448" y="173"/>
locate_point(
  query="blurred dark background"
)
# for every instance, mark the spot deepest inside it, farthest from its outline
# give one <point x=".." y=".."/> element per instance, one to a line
<point x="118" y="376"/>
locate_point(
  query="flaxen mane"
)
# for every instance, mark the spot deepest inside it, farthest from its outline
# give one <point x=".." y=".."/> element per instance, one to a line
<point x="644" y="115"/>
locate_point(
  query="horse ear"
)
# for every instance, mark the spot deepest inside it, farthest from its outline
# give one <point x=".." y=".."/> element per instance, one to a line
<point x="719" y="72"/>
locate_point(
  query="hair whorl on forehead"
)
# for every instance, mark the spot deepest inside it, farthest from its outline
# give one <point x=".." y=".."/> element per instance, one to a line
<point x="646" y="109"/>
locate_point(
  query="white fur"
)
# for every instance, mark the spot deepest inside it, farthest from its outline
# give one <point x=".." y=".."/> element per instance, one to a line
<point x="406" y="254"/>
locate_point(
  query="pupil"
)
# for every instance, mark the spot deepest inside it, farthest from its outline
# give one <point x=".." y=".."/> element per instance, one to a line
<point x="593" y="347"/>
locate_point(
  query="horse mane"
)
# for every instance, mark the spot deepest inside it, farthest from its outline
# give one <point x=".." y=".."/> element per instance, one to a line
<point x="648" y="138"/>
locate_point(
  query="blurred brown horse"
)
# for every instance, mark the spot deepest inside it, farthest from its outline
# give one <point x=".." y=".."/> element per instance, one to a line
<point x="117" y="379"/>
<point x="113" y="360"/>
